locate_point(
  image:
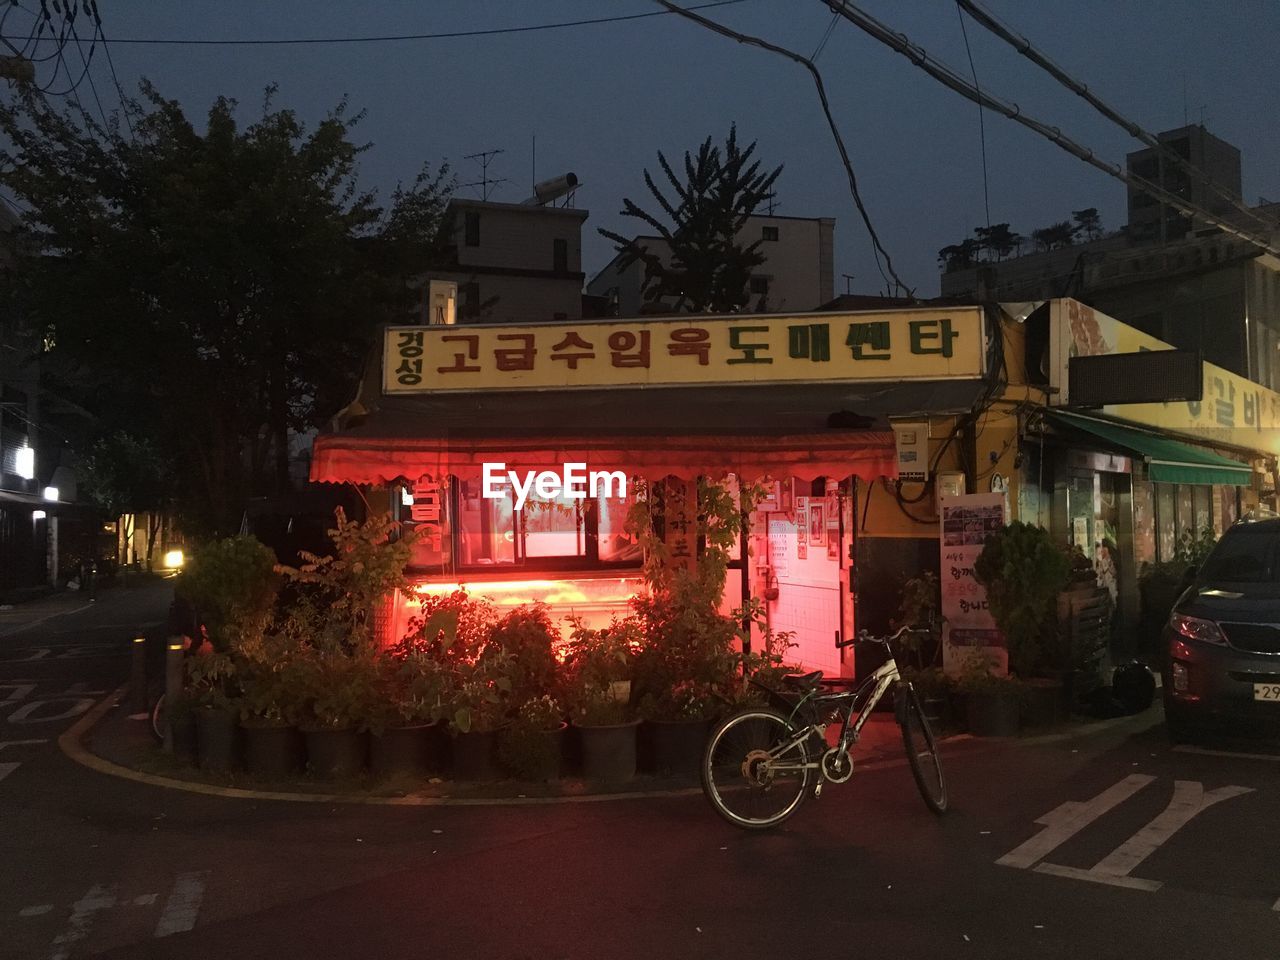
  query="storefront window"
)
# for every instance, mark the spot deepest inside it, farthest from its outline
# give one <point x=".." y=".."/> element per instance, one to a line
<point x="1228" y="511"/>
<point x="1186" y="512"/>
<point x="1202" y="496"/>
<point x="1166" y="522"/>
<point x="577" y="532"/>
<point x="487" y="526"/>
<point x="1144" y="522"/>
<point x="554" y="528"/>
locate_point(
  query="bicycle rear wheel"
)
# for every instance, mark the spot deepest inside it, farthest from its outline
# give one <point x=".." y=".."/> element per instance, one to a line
<point x="740" y="777"/>
<point x="159" y="719"/>
<point x="922" y="750"/>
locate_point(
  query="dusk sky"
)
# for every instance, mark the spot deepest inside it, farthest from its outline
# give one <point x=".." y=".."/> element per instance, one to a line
<point x="602" y="99"/>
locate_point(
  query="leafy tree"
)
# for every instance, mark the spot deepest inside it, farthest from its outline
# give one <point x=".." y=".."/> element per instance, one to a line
<point x="958" y="256"/>
<point x="1088" y="224"/>
<point x="123" y="474"/>
<point x="1054" y="236"/>
<point x="708" y="268"/>
<point x="997" y="239"/>
<point x="210" y="290"/>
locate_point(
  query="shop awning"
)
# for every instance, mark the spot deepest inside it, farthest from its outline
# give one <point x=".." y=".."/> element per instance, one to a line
<point x="348" y="458"/>
<point x="1168" y="461"/>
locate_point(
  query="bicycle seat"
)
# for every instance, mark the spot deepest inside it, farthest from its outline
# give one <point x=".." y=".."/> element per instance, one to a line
<point x="803" y="681"/>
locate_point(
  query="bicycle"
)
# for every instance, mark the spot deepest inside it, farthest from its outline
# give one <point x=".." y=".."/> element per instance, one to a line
<point x="758" y="764"/>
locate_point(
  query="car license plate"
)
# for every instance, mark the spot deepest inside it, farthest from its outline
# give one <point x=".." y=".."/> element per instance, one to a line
<point x="1267" y="691"/>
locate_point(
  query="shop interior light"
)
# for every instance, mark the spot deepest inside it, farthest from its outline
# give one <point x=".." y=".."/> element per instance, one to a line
<point x="25" y="463"/>
<point x="38" y="514"/>
<point x="173" y="559"/>
<point x="51" y="493"/>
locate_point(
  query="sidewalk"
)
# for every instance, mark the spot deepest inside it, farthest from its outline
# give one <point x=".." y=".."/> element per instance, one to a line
<point x="128" y="744"/>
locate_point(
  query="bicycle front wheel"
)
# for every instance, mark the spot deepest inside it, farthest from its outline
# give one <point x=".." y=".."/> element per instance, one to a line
<point x="922" y="751"/>
<point x="753" y="775"/>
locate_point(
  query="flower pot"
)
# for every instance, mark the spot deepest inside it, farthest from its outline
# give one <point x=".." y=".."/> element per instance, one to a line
<point x="609" y="753"/>
<point x="183" y="728"/>
<point x="1046" y="702"/>
<point x="535" y="755"/>
<point x="334" y="754"/>
<point x="400" y="751"/>
<point x="993" y="714"/>
<point x="216" y="739"/>
<point x="272" y="750"/>
<point x="475" y="755"/>
<point x="675" y="746"/>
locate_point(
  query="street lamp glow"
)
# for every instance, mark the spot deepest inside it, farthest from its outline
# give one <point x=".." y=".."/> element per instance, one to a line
<point x="173" y="558"/>
<point x="51" y="493"/>
<point x="38" y="514"/>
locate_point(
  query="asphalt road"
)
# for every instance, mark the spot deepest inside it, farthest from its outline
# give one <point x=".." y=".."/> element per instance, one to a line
<point x="1111" y="846"/>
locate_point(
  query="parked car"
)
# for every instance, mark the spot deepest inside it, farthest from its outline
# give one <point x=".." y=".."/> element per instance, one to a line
<point x="1223" y="638"/>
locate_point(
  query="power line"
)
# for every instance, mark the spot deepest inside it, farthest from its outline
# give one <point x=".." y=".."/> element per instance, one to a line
<point x="1024" y="46"/>
<point x="87" y="60"/>
<point x="877" y="248"/>
<point x="124" y="104"/>
<point x="391" y="38"/>
<point x="822" y="44"/>
<point x="949" y="78"/>
<point x="982" y="124"/>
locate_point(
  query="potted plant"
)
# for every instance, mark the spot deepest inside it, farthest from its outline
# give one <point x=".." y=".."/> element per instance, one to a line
<point x="532" y="745"/>
<point x="230" y="585"/>
<point x="598" y="661"/>
<point x="407" y="715"/>
<point x="480" y="701"/>
<point x="341" y="693"/>
<point x="213" y="695"/>
<point x="993" y="704"/>
<point x="269" y="707"/>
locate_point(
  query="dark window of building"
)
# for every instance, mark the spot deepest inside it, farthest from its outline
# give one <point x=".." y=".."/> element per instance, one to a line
<point x="769" y="233"/>
<point x="559" y="316"/>
<point x="13" y="410"/>
<point x="759" y="284"/>
<point x="470" y="297"/>
<point x="472" y="228"/>
<point x="560" y="256"/>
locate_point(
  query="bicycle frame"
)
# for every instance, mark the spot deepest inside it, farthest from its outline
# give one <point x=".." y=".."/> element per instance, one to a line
<point x="864" y="699"/>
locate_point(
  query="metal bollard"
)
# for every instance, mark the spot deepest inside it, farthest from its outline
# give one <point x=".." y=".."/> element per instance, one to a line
<point x="138" y="677"/>
<point x="172" y="684"/>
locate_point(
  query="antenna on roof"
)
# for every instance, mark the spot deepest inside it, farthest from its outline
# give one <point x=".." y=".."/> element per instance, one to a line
<point x="484" y="158"/>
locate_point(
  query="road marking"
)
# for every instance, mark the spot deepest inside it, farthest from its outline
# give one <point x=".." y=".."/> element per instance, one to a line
<point x="1065" y="821"/>
<point x="146" y="900"/>
<point x="23" y="714"/>
<point x="98" y="898"/>
<point x="21" y="743"/>
<point x="183" y="905"/>
<point x="8" y="768"/>
<point x="36" y="623"/>
<point x="1235" y="754"/>
<point x="20" y="692"/>
<point x="1076" y="873"/>
<point x="1188" y="800"/>
<point x="1276" y="905"/>
<point x="37" y="911"/>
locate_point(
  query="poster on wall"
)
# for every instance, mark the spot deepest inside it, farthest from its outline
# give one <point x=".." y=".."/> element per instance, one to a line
<point x="968" y="629"/>
<point x="833" y="541"/>
<point x="817" y="522"/>
<point x="802" y="528"/>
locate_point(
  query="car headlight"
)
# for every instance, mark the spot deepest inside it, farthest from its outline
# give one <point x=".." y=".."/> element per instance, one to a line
<point x="1206" y="631"/>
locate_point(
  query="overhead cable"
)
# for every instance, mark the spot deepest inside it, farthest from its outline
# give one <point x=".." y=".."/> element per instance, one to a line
<point x="949" y="78"/>
<point x="877" y="248"/>
<point x="1024" y="46"/>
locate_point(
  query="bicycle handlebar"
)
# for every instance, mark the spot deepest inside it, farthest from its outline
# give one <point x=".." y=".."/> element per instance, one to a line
<point x="866" y="637"/>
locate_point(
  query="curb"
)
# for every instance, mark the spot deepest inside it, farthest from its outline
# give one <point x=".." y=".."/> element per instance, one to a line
<point x="71" y="743"/>
<point x="1140" y="722"/>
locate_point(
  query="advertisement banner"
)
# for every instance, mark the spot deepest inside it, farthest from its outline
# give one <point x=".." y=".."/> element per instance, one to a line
<point x="926" y="344"/>
<point x="968" y="628"/>
<point x="1234" y="411"/>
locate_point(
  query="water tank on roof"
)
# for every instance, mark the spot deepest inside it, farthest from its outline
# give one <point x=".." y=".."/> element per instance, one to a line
<point x="551" y="190"/>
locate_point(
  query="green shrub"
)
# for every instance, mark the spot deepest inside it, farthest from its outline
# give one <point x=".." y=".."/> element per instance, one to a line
<point x="232" y="584"/>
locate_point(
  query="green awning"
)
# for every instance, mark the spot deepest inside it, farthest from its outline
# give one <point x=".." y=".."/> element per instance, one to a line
<point x="1168" y="461"/>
